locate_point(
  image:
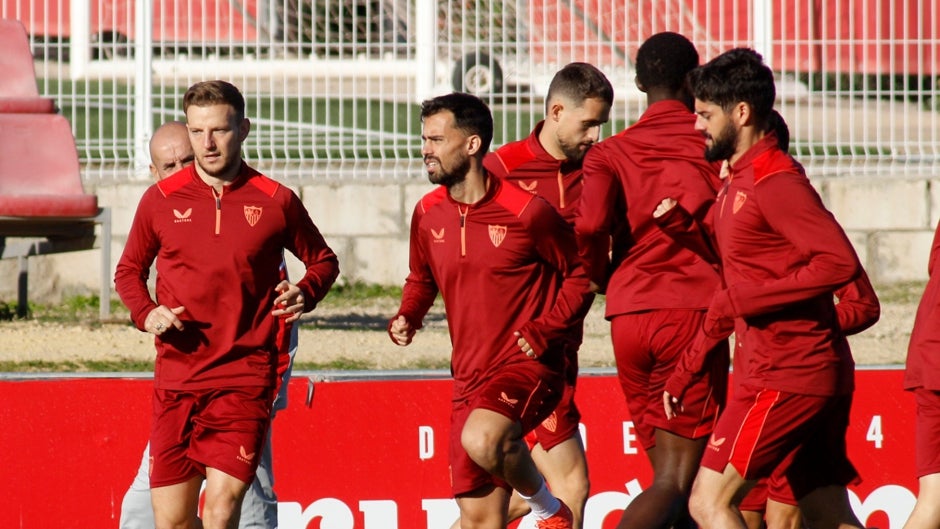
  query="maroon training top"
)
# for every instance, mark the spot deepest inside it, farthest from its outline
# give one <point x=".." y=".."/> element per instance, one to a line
<point x="527" y="164"/>
<point x="923" y="352"/>
<point x="625" y="178"/>
<point x="503" y="264"/>
<point x="220" y="258"/>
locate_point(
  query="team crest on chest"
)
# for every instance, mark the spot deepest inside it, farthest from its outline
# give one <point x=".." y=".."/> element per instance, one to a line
<point x="739" y="199"/>
<point x="497" y="234"/>
<point x="252" y="214"/>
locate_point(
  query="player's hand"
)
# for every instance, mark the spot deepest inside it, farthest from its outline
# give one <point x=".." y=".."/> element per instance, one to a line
<point x="524" y="346"/>
<point x="401" y="331"/>
<point x="664" y="207"/>
<point x="162" y="318"/>
<point x="672" y="405"/>
<point x="289" y="304"/>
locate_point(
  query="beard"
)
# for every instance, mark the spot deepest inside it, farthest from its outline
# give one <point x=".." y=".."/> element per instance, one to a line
<point x="723" y="145"/>
<point x="452" y="176"/>
<point x="572" y="152"/>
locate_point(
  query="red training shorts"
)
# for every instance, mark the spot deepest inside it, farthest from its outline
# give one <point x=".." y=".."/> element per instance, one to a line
<point x="927" y="432"/>
<point x="756" y="498"/>
<point x="647" y="346"/>
<point x="525" y="392"/>
<point x="800" y="438"/>
<point x="560" y="425"/>
<point x="220" y="428"/>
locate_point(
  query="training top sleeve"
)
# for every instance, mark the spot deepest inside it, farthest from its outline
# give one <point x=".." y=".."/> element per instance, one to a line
<point x="830" y="260"/>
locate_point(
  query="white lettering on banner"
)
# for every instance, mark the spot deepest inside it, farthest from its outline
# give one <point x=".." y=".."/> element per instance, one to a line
<point x="582" y="429"/>
<point x="874" y="431"/>
<point x="379" y="513"/>
<point x="894" y="500"/>
<point x="628" y="438"/>
<point x="441" y="513"/>
<point x="425" y="442"/>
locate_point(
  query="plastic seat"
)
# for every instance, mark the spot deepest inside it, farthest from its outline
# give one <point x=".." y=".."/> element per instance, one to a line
<point x="18" y="91"/>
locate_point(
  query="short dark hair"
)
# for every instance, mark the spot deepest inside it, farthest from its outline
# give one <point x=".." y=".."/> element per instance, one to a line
<point x="664" y="60"/>
<point x="579" y="81"/>
<point x="471" y="115"/>
<point x="206" y="93"/>
<point x="736" y="76"/>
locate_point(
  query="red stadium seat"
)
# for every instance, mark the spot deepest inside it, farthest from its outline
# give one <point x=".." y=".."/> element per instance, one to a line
<point x="43" y="207"/>
<point x="18" y="92"/>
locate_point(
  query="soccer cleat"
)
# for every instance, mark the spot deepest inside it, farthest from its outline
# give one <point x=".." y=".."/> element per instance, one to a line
<point x="563" y="519"/>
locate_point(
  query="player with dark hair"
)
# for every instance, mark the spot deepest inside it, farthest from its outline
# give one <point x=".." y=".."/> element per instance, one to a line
<point x="783" y="256"/>
<point x="218" y="230"/>
<point x="548" y="163"/>
<point x="506" y="265"/>
<point x="657" y="289"/>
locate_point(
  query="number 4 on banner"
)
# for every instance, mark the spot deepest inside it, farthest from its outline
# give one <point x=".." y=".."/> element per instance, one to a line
<point x="874" y="431"/>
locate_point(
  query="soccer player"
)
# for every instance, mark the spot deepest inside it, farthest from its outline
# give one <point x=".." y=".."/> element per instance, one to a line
<point x="857" y="308"/>
<point x="171" y="151"/>
<point x="922" y="377"/>
<point x="657" y="289"/>
<point x="505" y="263"/>
<point x="548" y="163"/>
<point x="783" y="256"/>
<point x="218" y="230"/>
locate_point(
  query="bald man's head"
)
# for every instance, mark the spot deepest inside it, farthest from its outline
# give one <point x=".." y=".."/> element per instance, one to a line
<point x="170" y="149"/>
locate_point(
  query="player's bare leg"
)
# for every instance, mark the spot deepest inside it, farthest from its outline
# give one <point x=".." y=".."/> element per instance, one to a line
<point x="224" y="495"/>
<point x="715" y="496"/>
<point x="565" y="470"/>
<point x="483" y="508"/>
<point x="175" y="506"/>
<point x="829" y="508"/>
<point x="783" y="516"/>
<point x="495" y="443"/>
<point x="926" y="513"/>
<point x="675" y="461"/>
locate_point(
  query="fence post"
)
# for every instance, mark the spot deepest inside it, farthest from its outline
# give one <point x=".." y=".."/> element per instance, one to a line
<point x="143" y="84"/>
<point x="763" y="24"/>
<point x="425" y="47"/>
<point x="79" y="38"/>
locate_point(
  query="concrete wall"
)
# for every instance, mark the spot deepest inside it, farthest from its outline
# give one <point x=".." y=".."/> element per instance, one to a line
<point x="888" y="216"/>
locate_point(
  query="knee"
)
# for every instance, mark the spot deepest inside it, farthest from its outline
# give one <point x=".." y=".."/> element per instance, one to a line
<point x="220" y="513"/>
<point x="483" y="448"/>
<point x="701" y="508"/>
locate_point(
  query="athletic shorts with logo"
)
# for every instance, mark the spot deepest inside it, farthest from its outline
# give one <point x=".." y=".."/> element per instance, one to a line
<point x="784" y="436"/>
<point x="927" y="432"/>
<point x="220" y="428"/>
<point x="525" y="392"/>
<point x="560" y="425"/>
<point x="647" y="347"/>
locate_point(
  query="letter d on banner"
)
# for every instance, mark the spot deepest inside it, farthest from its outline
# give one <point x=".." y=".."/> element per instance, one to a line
<point x="425" y="442"/>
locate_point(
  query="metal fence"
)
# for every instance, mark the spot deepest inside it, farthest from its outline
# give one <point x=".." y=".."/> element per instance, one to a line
<point x="333" y="85"/>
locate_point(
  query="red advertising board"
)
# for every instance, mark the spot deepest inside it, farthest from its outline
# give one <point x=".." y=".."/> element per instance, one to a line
<point x="369" y="454"/>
